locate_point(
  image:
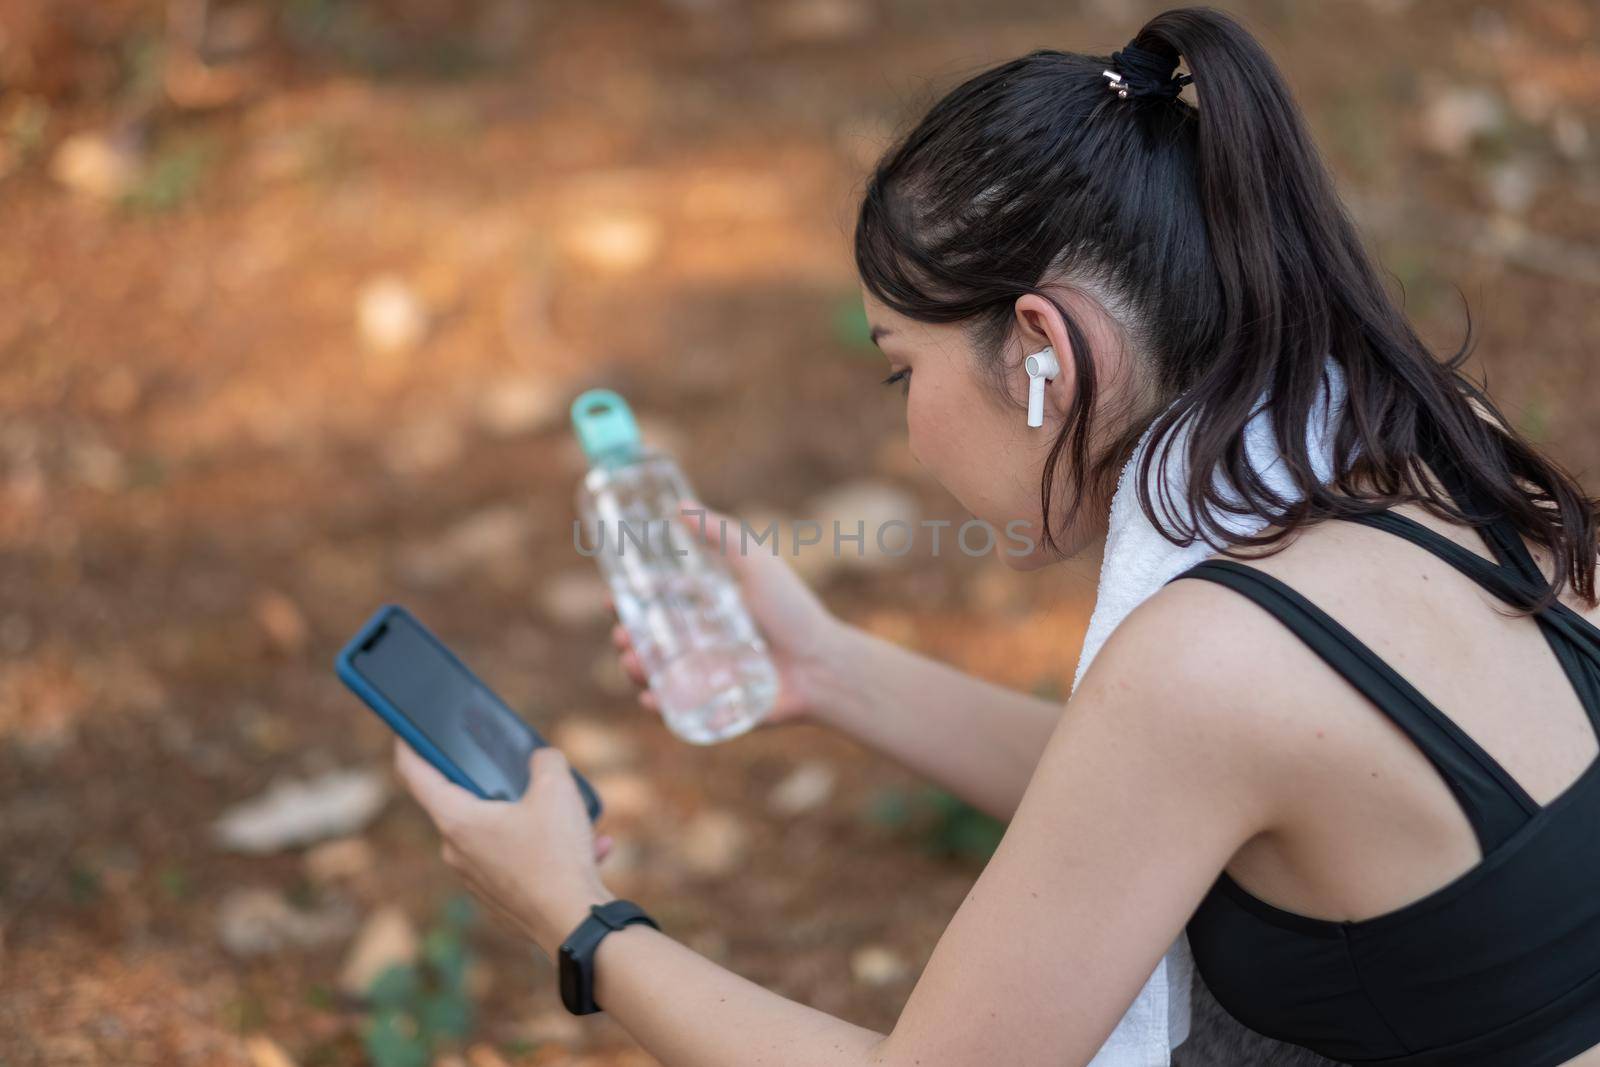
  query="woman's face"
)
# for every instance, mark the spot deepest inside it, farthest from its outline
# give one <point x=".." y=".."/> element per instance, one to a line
<point x="978" y="444"/>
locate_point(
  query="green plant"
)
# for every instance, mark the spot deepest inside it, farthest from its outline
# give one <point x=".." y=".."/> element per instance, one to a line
<point x="23" y="130"/>
<point x="172" y="177"/>
<point x="959" y="829"/>
<point x="419" y="1007"/>
<point x="174" y="881"/>
<point x="944" y="824"/>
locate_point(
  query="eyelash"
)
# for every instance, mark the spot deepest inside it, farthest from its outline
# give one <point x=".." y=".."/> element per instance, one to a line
<point x="900" y="376"/>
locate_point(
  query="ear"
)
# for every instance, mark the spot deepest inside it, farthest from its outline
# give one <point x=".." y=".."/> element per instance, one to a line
<point x="1039" y="324"/>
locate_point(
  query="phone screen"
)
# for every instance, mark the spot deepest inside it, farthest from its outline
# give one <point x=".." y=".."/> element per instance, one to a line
<point x="455" y="711"/>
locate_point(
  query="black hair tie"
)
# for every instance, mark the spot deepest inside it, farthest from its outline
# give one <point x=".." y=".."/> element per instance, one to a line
<point x="1142" y="72"/>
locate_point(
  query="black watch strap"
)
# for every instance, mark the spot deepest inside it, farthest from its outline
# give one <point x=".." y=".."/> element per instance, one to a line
<point x="576" y="963"/>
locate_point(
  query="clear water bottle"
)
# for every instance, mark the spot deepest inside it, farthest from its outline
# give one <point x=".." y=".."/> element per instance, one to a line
<point x="707" y="664"/>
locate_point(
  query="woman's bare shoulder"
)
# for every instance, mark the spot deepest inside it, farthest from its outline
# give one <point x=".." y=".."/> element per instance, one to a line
<point x="1203" y="660"/>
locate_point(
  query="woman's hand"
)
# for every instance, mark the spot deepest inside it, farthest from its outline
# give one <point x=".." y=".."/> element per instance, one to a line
<point x="534" y="860"/>
<point x="798" y="629"/>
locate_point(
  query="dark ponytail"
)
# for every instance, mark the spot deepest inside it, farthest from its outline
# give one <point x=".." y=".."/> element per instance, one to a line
<point x="1214" y="233"/>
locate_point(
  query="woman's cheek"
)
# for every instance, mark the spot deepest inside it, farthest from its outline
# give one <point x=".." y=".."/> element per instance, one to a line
<point x="928" y="430"/>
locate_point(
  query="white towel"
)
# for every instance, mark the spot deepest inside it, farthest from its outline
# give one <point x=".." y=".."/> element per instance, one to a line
<point x="1138" y="561"/>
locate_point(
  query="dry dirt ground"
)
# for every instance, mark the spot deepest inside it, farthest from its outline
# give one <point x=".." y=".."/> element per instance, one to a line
<point x="292" y="298"/>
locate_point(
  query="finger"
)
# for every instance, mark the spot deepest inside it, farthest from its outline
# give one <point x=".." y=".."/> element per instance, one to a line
<point x="619" y="637"/>
<point x="602" y="847"/>
<point x="709" y="526"/>
<point x="633" y="668"/>
<point x="547" y="759"/>
<point x="647" y="699"/>
<point x="547" y="764"/>
<point x="415" y="772"/>
<point x="437" y="794"/>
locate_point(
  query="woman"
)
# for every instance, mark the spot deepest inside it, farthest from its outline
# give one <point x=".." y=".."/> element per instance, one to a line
<point x="1356" y="873"/>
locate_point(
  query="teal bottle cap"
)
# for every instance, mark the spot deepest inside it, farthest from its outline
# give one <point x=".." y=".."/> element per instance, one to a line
<point x="604" y="424"/>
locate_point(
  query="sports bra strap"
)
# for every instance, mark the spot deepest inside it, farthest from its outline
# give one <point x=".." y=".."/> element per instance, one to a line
<point x="1512" y="588"/>
<point x="1492" y="800"/>
<point x="1502" y="536"/>
<point x="1574" y="639"/>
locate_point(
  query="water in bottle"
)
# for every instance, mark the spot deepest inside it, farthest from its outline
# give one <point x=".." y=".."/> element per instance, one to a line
<point x="707" y="664"/>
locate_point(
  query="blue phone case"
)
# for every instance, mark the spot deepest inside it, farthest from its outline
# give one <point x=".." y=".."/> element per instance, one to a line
<point x="397" y="720"/>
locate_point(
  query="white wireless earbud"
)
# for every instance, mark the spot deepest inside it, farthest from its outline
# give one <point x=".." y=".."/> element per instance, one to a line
<point x="1042" y="367"/>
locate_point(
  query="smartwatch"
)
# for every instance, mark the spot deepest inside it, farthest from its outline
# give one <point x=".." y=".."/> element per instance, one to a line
<point x="576" y="958"/>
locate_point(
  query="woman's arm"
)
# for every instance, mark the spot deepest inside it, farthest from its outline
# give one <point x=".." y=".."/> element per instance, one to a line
<point x="1147" y="786"/>
<point x="978" y="740"/>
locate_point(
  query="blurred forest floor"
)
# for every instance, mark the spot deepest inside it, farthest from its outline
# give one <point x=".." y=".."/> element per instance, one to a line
<point x="294" y="297"/>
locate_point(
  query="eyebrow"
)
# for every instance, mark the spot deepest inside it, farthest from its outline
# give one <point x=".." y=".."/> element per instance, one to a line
<point x="880" y="331"/>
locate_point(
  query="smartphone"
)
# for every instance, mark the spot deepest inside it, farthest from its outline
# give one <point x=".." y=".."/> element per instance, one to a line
<point x="429" y="697"/>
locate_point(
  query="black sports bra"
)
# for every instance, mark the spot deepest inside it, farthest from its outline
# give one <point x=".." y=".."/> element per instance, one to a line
<point x="1498" y="968"/>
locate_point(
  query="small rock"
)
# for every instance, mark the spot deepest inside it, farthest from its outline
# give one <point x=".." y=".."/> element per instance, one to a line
<point x="576" y="599"/>
<point x="1512" y="185"/>
<point x="804" y="789"/>
<point x="265" y="1052"/>
<point x="258" y="921"/>
<point x="95" y="165"/>
<point x="389" y="315"/>
<point x="1457" y="117"/>
<point x="481" y="1055"/>
<point x="618" y="242"/>
<point x="280" y="619"/>
<point x="591" y="746"/>
<point x="293" y="813"/>
<point x="519" y="406"/>
<point x="877" y="965"/>
<point x="339" y="860"/>
<point x="713" y="843"/>
<point x="387" y="938"/>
